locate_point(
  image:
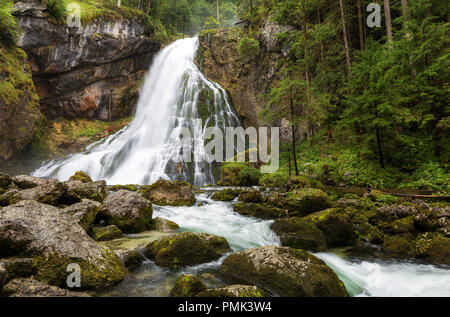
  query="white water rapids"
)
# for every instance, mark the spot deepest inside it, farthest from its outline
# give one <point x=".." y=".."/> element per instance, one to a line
<point x="174" y="94"/>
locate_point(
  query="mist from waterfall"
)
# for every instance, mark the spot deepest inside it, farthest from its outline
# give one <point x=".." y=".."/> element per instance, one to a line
<point x="174" y="96"/>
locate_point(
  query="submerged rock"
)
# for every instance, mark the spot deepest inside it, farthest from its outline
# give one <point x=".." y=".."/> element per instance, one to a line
<point x="283" y="271"/>
<point x="32" y="288"/>
<point x="296" y="233"/>
<point x="127" y="210"/>
<point x="55" y="240"/>
<point x="234" y="291"/>
<point x="187" y="285"/>
<point x="186" y="248"/>
<point x="106" y="233"/>
<point x="167" y="193"/>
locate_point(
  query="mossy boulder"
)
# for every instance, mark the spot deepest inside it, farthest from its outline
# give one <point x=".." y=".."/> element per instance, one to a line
<point x="77" y="191"/>
<point x="336" y="224"/>
<point x="18" y="267"/>
<point x="131" y="258"/>
<point x="399" y="226"/>
<point x="127" y="210"/>
<point x="251" y="196"/>
<point x="187" y="285"/>
<point x="163" y="225"/>
<point x="283" y="271"/>
<point x="227" y="194"/>
<point x="433" y="247"/>
<point x="234" y="291"/>
<point x="81" y="176"/>
<point x="84" y="212"/>
<point x="369" y="233"/>
<point x="167" y="193"/>
<point x="298" y="234"/>
<point x="397" y="247"/>
<point x="239" y="174"/>
<point x="49" y="191"/>
<point x="106" y="233"/>
<point x="130" y="187"/>
<point x="27" y="287"/>
<point x="302" y="202"/>
<point x="262" y="211"/>
<point x="186" y="248"/>
<point x="6" y="198"/>
<point x="54" y="240"/>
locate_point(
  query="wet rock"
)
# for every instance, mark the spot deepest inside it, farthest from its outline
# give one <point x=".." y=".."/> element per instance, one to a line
<point x="250" y="196"/>
<point x="262" y="211"/>
<point x="227" y="194"/>
<point x="131" y="258"/>
<point x="84" y="212"/>
<point x="234" y="291"/>
<point x="77" y="191"/>
<point x="187" y="285"/>
<point x="433" y="247"/>
<point x="398" y="226"/>
<point x="163" y="225"/>
<point x="305" y="201"/>
<point x="298" y="234"/>
<point x="18" y="267"/>
<point x="283" y="271"/>
<point x="31" y="288"/>
<point x="48" y="191"/>
<point x="127" y="210"/>
<point x="398" y="247"/>
<point x="106" y="233"/>
<point x="336" y="224"/>
<point x="55" y="240"/>
<point x="186" y="248"/>
<point x="81" y="176"/>
<point x="166" y="193"/>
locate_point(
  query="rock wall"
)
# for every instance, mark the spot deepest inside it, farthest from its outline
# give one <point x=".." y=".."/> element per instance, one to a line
<point x="93" y="71"/>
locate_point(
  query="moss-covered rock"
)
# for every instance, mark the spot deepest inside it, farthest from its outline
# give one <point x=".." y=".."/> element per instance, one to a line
<point x="6" y="197"/>
<point x="26" y="287"/>
<point x="54" y="240"/>
<point x="187" y="285"/>
<point x="167" y="193"/>
<point x="18" y="267"/>
<point x="398" y="247"/>
<point x="283" y="271"/>
<point x="262" y="211"/>
<point x="76" y="191"/>
<point x="5" y="180"/>
<point x="127" y="210"/>
<point x="403" y="225"/>
<point x="106" y="233"/>
<point x="251" y="196"/>
<point x="302" y="202"/>
<point x="227" y="194"/>
<point x="433" y="247"/>
<point x="336" y="224"/>
<point x="299" y="234"/>
<point x="84" y="212"/>
<point x="131" y="258"/>
<point x="186" y="248"/>
<point x="234" y="291"/>
<point x="81" y="176"/>
<point x="238" y="174"/>
<point x="130" y="187"/>
<point x="49" y="191"/>
<point x="163" y="225"/>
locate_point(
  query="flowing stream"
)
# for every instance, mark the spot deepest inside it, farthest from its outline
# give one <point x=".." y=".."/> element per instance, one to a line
<point x="175" y="95"/>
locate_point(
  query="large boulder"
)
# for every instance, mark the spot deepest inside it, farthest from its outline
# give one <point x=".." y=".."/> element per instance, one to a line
<point x="46" y="191"/>
<point x="227" y="194"/>
<point x="397" y="246"/>
<point x="81" y="176"/>
<point x="433" y="247"/>
<point x="234" y="291"/>
<point x="251" y="196"/>
<point x="84" y="212"/>
<point x="7" y="196"/>
<point x="301" y="202"/>
<point x="106" y="233"/>
<point x="336" y="224"/>
<point x="77" y="191"/>
<point x="167" y="193"/>
<point x="298" y="234"/>
<point x="127" y="210"/>
<point x="186" y="248"/>
<point x="283" y="271"/>
<point x="27" y="181"/>
<point x="187" y="285"/>
<point x="55" y="240"/>
<point x="262" y="211"/>
<point x="163" y="225"/>
<point x="26" y="287"/>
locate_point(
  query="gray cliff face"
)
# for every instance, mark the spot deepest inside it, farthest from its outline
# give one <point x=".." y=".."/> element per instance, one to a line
<point x="93" y="71"/>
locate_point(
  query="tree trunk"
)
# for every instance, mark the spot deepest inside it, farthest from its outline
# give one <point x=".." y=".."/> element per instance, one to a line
<point x="404" y="6"/>
<point x="149" y="6"/>
<point x="361" y="28"/>
<point x="218" y="15"/>
<point x="380" y="149"/>
<point x="387" y="16"/>
<point x="118" y="3"/>
<point x="344" y="30"/>
<point x="294" y="156"/>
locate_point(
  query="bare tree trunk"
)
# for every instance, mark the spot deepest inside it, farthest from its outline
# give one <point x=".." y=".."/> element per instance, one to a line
<point x="404" y="6"/>
<point x="387" y="15"/>
<point x="294" y="156"/>
<point x="118" y="3"/>
<point x="361" y="28"/>
<point x="344" y="30"/>
<point x="149" y="6"/>
<point x="218" y="15"/>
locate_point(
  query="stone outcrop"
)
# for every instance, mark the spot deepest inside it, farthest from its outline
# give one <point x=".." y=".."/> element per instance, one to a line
<point x="26" y="287"/>
<point x="187" y="285"/>
<point x="167" y="193"/>
<point x="233" y="291"/>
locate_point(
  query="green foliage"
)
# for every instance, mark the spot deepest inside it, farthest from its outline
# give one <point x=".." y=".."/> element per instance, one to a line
<point x="9" y="30"/>
<point x="211" y="23"/>
<point x="429" y="176"/>
<point x="248" y="48"/>
<point x="57" y="9"/>
<point x="278" y="179"/>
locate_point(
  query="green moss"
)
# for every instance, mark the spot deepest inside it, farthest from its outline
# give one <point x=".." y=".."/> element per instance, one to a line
<point x="227" y="194"/>
<point x="262" y="211"/>
<point x="307" y="200"/>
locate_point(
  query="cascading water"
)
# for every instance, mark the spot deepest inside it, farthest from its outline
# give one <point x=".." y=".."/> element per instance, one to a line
<point x="175" y="96"/>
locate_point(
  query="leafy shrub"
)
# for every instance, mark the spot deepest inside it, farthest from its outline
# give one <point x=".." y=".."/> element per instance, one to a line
<point x="9" y="30"/>
<point x="57" y="9"/>
<point x="248" y="47"/>
<point x="429" y="176"/>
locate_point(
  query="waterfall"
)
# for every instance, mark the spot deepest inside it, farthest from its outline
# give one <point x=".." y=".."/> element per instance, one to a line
<point x="175" y="95"/>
